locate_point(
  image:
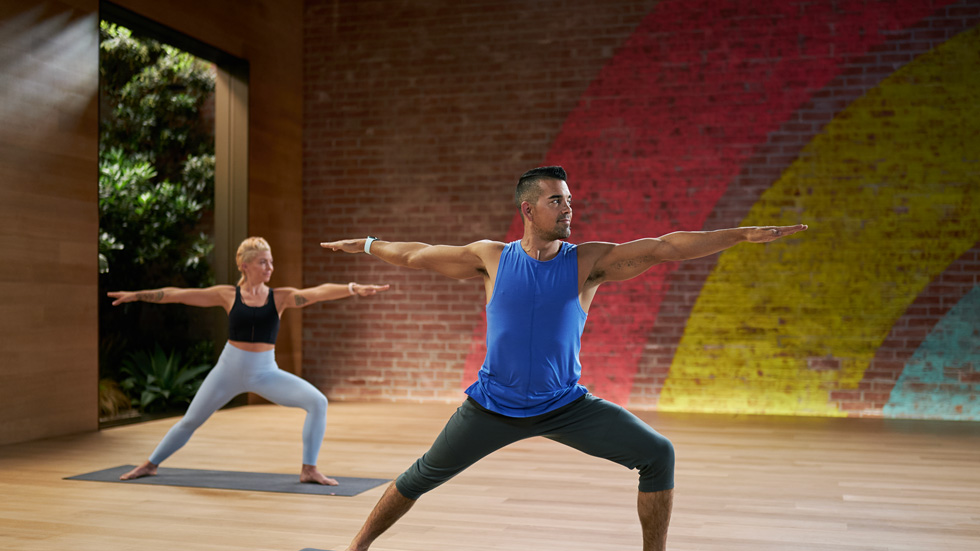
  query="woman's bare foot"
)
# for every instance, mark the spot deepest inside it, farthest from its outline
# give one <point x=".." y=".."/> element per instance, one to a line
<point x="312" y="475"/>
<point x="146" y="469"/>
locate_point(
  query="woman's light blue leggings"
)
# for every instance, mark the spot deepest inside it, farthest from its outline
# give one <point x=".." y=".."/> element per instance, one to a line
<point x="240" y="371"/>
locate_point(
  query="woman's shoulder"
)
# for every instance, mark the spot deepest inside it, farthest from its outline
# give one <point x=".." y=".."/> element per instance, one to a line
<point x="226" y="292"/>
<point x="222" y="289"/>
<point x="280" y="294"/>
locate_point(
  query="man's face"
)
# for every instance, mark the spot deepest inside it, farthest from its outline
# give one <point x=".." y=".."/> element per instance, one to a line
<point x="551" y="214"/>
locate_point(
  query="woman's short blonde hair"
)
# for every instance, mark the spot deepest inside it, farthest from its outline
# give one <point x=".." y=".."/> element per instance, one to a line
<point x="249" y="248"/>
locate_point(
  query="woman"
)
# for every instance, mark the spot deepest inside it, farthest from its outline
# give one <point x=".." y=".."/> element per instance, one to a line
<point x="247" y="363"/>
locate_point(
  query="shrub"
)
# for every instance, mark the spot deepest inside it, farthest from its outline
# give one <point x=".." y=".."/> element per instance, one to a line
<point x="160" y="382"/>
<point x="112" y="400"/>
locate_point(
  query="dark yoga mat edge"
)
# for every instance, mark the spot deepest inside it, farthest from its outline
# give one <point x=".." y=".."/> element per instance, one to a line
<point x="235" y="480"/>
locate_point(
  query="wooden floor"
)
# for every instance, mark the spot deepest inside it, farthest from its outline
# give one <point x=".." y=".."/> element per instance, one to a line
<point x="743" y="483"/>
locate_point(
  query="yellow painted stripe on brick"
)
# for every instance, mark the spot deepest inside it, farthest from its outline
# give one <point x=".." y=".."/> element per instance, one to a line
<point x="891" y="196"/>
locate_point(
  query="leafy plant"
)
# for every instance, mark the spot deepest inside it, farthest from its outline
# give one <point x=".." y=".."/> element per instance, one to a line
<point x="147" y="227"/>
<point x="157" y="381"/>
<point x="152" y="98"/>
<point x="156" y="162"/>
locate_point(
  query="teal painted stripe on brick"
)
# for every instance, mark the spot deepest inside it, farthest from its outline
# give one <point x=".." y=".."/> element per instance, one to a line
<point x="942" y="379"/>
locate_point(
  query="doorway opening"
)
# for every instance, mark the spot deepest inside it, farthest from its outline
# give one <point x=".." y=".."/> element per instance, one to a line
<point x="173" y="206"/>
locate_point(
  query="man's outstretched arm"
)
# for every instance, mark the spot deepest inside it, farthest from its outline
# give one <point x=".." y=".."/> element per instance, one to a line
<point x="628" y="260"/>
<point x="459" y="262"/>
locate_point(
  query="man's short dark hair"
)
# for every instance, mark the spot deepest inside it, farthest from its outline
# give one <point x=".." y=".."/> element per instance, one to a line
<point x="527" y="188"/>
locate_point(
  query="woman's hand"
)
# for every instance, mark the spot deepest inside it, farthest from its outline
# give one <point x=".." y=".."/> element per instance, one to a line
<point x="368" y="290"/>
<point x="134" y="296"/>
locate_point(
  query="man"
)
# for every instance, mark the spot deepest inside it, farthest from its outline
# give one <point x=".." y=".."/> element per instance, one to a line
<point x="539" y="291"/>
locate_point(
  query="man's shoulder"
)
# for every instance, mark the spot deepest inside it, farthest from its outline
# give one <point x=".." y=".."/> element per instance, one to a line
<point x="490" y="242"/>
<point x="594" y="249"/>
<point x="487" y="245"/>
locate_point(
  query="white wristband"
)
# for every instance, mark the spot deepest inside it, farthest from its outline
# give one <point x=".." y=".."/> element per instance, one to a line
<point x="350" y="288"/>
<point x="367" y="244"/>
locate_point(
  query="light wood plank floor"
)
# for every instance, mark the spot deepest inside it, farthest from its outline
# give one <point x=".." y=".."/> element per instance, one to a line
<point x="743" y="483"/>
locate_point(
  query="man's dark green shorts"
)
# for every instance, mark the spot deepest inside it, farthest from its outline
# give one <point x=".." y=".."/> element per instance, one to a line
<point x="589" y="424"/>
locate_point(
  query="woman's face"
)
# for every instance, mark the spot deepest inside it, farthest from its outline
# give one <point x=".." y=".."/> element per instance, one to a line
<point x="258" y="268"/>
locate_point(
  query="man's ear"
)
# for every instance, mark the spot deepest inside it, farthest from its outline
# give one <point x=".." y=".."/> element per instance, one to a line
<point x="526" y="209"/>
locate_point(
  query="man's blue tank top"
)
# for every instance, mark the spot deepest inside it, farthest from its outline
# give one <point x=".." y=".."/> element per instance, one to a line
<point x="534" y="333"/>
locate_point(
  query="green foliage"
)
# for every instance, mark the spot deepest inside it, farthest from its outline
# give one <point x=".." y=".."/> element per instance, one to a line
<point x="126" y="55"/>
<point x="156" y="190"/>
<point x="147" y="227"/>
<point x="153" y="96"/>
<point x="156" y="162"/>
<point x="160" y="381"/>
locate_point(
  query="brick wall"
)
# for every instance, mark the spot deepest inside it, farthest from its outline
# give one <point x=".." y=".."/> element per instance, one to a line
<point x="420" y="117"/>
<point x="671" y="115"/>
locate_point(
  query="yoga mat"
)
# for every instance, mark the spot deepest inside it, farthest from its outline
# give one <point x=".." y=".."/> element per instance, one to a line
<point x="236" y="480"/>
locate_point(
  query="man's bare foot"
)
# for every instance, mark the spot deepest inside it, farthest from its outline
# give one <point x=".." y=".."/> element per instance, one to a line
<point x="312" y="475"/>
<point x="146" y="469"/>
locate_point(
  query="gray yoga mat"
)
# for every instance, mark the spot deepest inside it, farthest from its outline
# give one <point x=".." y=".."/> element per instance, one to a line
<point x="236" y="480"/>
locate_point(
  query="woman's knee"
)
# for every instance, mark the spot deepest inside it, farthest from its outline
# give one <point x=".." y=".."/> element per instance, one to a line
<point x="317" y="404"/>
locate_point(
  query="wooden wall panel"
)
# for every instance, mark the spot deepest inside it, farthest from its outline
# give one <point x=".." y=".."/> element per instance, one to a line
<point x="48" y="219"/>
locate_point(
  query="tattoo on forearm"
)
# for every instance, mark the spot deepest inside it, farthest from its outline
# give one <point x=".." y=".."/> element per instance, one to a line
<point x="150" y="296"/>
<point x="300" y="301"/>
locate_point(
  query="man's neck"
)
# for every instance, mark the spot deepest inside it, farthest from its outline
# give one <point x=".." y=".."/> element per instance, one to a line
<point x="540" y="249"/>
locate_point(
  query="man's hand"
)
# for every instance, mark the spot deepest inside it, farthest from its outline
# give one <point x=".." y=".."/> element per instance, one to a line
<point x="347" y="245"/>
<point x="766" y="234"/>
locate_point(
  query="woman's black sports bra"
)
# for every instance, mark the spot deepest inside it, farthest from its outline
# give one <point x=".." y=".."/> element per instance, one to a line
<point x="253" y="323"/>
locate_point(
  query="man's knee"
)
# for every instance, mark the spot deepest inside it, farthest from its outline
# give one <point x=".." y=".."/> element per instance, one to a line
<point x="657" y="469"/>
<point x="412" y="484"/>
<point x="423" y="477"/>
